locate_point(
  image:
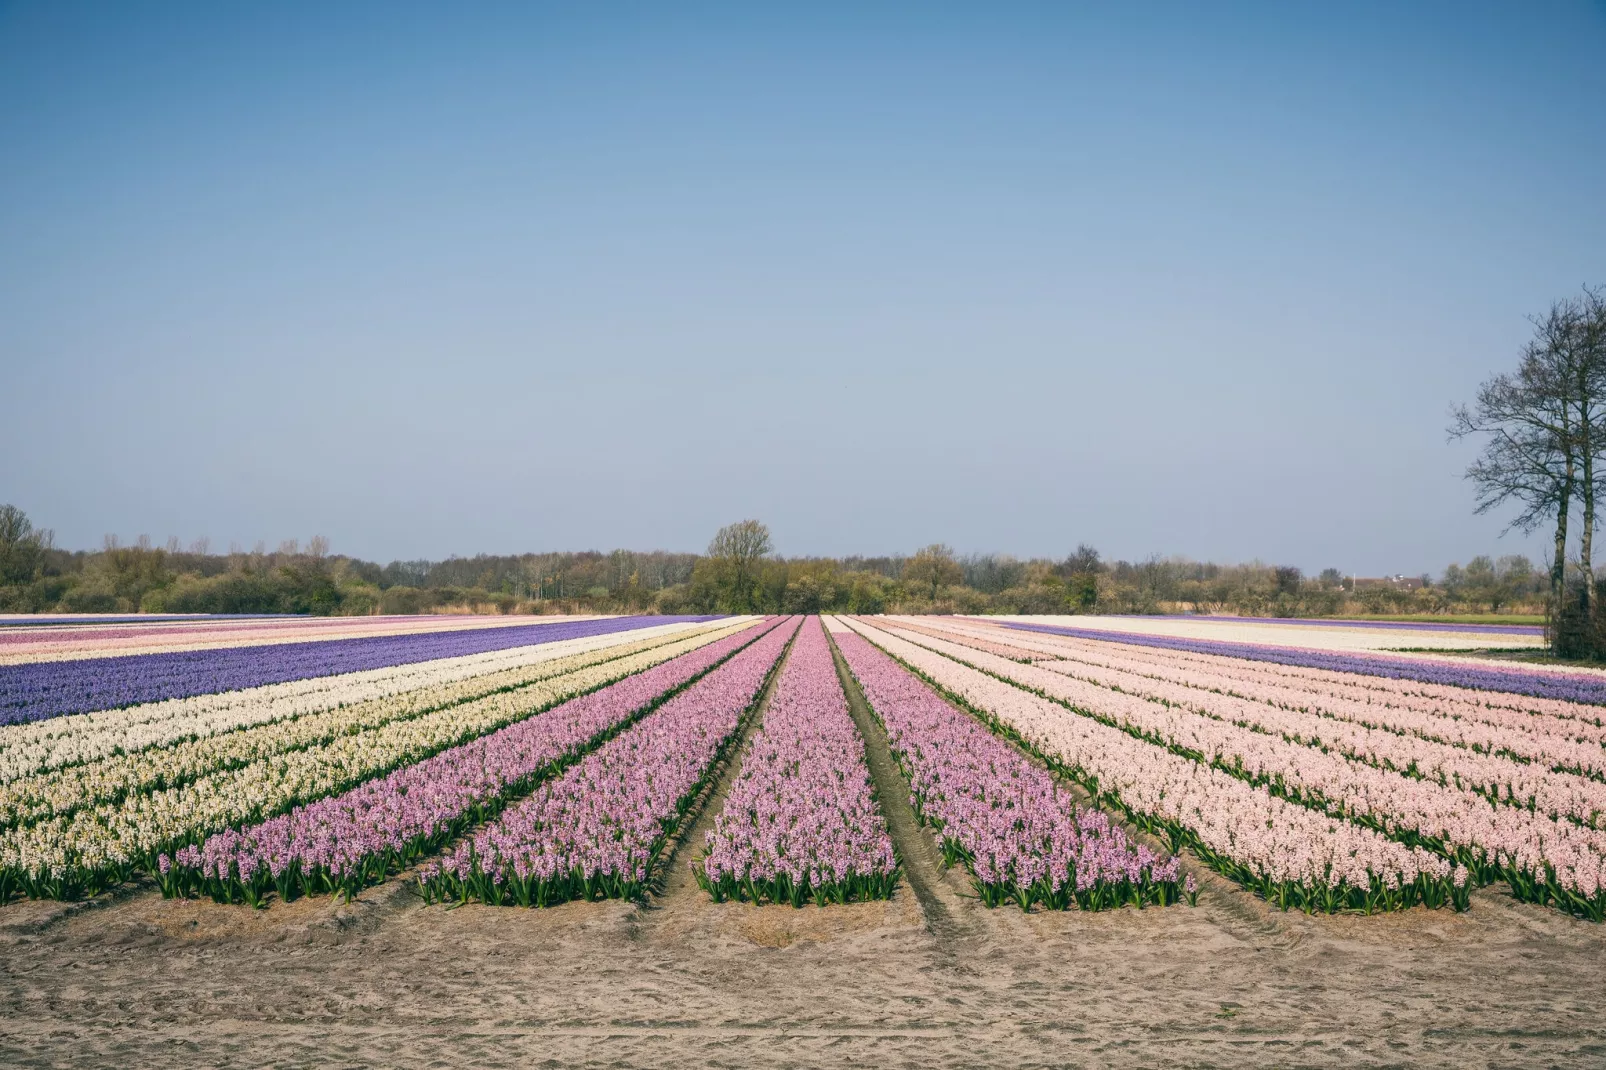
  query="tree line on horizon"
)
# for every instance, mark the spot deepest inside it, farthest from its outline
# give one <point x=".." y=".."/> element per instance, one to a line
<point x="739" y="573"/>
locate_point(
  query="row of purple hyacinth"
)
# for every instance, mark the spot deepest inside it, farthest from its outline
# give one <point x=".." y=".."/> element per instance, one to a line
<point x="596" y="831"/>
<point x="1567" y="687"/>
<point x="801" y="822"/>
<point x="348" y="841"/>
<point x="1021" y="836"/>
<point x="34" y="691"/>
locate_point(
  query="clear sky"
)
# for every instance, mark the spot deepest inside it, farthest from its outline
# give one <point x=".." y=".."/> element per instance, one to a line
<point x="1167" y="279"/>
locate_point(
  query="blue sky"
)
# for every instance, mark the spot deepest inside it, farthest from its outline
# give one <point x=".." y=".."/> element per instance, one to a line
<point x="427" y="281"/>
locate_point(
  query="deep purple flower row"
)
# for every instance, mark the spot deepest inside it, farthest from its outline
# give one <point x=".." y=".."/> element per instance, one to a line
<point x="37" y="690"/>
<point x="801" y="822"/>
<point x="1022" y="837"/>
<point x="357" y="838"/>
<point x="1567" y="687"/>
<point x="596" y="831"/>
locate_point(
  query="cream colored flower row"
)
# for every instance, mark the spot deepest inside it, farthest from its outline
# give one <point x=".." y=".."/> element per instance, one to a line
<point x="58" y="742"/>
<point x="101" y="837"/>
<point x="62" y="791"/>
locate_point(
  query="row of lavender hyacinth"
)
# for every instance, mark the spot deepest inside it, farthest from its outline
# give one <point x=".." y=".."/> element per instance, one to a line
<point x="1018" y="832"/>
<point x="801" y="821"/>
<point x="596" y="831"/>
<point x="1569" y="687"/>
<point x="37" y="690"/>
<point x="349" y="841"/>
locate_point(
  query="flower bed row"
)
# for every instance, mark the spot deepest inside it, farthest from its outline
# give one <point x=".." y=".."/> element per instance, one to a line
<point x="63" y="791"/>
<point x="1500" y="778"/>
<point x="1022" y="837"/>
<point x="75" y="739"/>
<point x="1543" y="859"/>
<point x="801" y="823"/>
<point x="1508" y="768"/>
<point x="1567" y="687"/>
<point x="596" y="831"/>
<point x="349" y="841"/>
<point x="98" y="846"/>
<point x="35" y="691"/>
<point x="1571" y="720"/>
<point x="1287" y="853"/>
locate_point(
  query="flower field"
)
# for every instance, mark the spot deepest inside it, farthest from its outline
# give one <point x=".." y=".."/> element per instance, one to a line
<point x="37" y="690"/>
<point x="1020" y="834"/>
<point x="801" y="823"/>
<point x="532" y="762"/>
<point x="89" y="800"/>
<point x="596" y="831"/>
<point x="1498" y="785"/>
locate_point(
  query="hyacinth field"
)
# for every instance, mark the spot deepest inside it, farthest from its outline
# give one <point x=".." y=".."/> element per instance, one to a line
<point x="801" y="823"/>
<point x="1050" y="764"/>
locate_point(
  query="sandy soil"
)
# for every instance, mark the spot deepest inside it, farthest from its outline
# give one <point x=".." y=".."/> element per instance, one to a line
<point x="930" y="978"/>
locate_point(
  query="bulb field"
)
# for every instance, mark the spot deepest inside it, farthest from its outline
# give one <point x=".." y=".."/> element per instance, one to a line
<point x="1050" y="764"/>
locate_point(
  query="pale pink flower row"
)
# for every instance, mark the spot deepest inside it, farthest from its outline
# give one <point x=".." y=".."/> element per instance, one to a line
<point x="1466" y="822"/>
<point x="1275" y="839"/>
<point x="1586" y="720"/>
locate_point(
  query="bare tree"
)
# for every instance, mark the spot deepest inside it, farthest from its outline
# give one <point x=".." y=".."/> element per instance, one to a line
<point x="1584" y="343"/>
<point x="1544" y="430"/>
<point x="736" y="550"/>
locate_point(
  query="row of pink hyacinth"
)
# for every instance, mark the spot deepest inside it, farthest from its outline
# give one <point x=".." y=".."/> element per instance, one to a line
<point x="1021" y="835"/>
<point x="801" y="821"/>
<point x="1579" y="719"/>
<point x="595" y="832"/>
<point x="1504" y="780"/>
<point x="1550" y="742"/>
<point x="1548" y="763"/>
<point x="1292" y="855"/>
<point x="1539" y="855"/>
<point x="1475" y="756"/>
<point x="1473" y="718"/>
<point x="1403" y="739"/>
<point x="348" y="841"/>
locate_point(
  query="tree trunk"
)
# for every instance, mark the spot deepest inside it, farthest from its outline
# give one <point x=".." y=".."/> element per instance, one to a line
<point x="1558" y="565"/>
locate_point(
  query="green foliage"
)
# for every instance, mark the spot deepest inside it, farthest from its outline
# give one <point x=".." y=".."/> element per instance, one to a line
<point x="740" y="574"/>
<point x="737" y="568"/>
<point x="22" y="547"/>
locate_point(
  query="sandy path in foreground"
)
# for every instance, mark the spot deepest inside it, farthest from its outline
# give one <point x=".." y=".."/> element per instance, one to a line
<point x="143" y="982"/>
<point x="923" y="980"/>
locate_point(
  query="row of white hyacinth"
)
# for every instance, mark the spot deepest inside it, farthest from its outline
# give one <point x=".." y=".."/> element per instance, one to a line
<point x="63" y="791"/>
<point x="58" y="742"/>
<point x="97" y="846"/>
